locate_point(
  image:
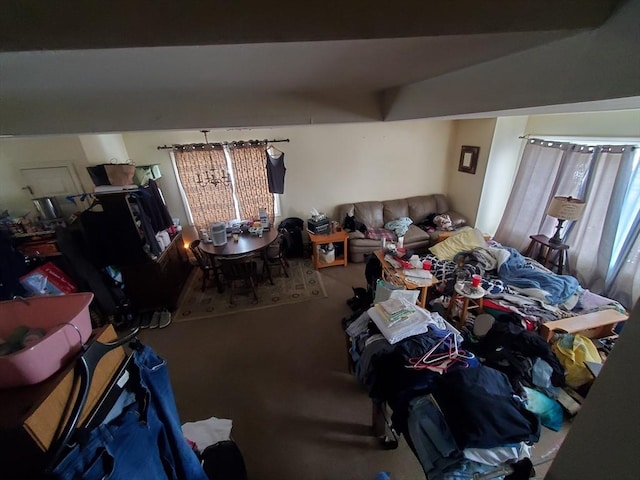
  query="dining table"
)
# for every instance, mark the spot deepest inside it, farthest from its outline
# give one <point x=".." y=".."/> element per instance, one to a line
<point x="246" y="244"/>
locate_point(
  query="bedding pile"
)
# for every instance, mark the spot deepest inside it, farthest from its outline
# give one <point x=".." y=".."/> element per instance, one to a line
<point x="516" y="284"/>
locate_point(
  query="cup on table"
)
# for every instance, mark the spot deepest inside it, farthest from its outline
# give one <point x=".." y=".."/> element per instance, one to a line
<point x="235" y="237"/>
<point x="426" y="265"/>
<point x="475" y="280"/>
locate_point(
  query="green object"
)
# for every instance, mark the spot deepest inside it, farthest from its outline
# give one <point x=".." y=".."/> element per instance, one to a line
<point x="17" y="336"/>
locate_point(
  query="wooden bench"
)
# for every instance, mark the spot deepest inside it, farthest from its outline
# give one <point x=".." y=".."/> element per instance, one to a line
<point x="593" y="325"/>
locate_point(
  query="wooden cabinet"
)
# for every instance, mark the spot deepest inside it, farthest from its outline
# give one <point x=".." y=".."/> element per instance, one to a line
<point x="150" y="281"/>
<point x="157" y="283"/>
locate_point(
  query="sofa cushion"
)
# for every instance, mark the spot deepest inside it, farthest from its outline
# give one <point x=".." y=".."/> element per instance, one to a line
<point x="369" y="213"/>
<point x="415" y="235"/>
<point x="394" y="209"/>
<point x="421" y="206"/>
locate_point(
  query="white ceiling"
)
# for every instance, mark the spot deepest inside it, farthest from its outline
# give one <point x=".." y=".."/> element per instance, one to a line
<point x="456" y="63"/>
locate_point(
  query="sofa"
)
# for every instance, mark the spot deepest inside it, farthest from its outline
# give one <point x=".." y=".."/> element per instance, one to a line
<point x="375" y="214"/>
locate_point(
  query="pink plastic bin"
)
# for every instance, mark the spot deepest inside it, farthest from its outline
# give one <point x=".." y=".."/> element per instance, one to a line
<point x="66" y="320"/>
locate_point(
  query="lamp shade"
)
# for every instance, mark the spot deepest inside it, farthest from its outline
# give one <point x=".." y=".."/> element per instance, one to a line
<point x="566" y="208"/>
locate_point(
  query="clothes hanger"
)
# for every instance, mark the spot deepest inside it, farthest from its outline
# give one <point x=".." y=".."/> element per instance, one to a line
<point x="271" y="148"/>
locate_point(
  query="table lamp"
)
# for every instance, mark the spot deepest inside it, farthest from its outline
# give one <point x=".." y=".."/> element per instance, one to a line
<point x="564" y="208"/>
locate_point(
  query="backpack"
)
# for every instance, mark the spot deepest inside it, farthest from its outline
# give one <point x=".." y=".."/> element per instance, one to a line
<point x="223" y="461"/>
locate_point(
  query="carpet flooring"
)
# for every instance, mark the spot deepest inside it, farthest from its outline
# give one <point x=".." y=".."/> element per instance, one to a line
<point x="303" y="284"/>
<point x="281" y="375"/>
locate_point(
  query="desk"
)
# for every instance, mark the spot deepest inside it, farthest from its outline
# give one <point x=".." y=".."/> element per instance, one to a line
<point x="544" y="251"/>
<point x="246" y="243"/>
<point x="397" y="277"/>
<point x="320" y="239"/>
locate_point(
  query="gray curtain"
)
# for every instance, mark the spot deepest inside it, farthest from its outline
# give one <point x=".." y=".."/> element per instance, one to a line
<point x="605" y="250"/>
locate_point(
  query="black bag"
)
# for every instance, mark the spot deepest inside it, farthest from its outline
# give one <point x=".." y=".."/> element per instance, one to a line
<point x="223" y="461"/>
<point x="292" y="236"/>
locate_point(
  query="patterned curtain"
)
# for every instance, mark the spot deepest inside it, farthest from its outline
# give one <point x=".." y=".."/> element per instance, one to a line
<point x="252" y="188"/>
<point x="207" y="203"/>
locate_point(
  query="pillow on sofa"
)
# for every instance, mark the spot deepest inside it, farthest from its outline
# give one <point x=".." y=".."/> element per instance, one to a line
<point x="461" y="242"/>
<point x="456" y="219"/>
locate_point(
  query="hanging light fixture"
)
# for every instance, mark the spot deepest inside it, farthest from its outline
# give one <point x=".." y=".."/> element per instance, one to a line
<point x="211" y="176"/>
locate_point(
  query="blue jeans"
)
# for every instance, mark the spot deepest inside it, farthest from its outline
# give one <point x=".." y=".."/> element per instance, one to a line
<point x="144" y="442"/>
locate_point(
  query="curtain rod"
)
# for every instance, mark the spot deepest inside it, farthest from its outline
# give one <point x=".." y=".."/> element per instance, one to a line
<point x="236" y="143"/>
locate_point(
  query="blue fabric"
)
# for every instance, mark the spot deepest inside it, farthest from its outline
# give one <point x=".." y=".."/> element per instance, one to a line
<point x="128" y="447"/>
<point x="548" y="409"/>
<point x="515" y="271"/>
<point x="154" y="376"/>
<point x="145" y="441"/>
<point x="432" y="441"/>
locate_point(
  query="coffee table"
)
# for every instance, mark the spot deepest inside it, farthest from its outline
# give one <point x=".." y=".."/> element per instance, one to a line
<point x="397" y="277"/>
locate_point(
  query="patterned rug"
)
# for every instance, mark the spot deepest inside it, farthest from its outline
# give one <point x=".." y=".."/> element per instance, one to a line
<point x="303" y="284"/>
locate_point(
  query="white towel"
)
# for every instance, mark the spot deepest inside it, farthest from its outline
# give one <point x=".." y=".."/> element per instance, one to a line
<point x="207" y="432"/>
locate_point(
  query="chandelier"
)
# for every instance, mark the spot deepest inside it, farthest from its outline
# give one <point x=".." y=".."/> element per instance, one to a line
<point x="211" y="176"/>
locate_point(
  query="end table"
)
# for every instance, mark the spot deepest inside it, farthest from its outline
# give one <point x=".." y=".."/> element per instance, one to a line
<point x="320" y="239"/>
<point x="545" y="251"/>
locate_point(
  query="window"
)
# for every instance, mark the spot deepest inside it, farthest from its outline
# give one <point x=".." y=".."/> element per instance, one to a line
<point x="605" y="242"/>
<point x="221" y="183"/>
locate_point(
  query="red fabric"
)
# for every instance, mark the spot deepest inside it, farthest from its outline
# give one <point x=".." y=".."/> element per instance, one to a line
<point x="380" y="233"/>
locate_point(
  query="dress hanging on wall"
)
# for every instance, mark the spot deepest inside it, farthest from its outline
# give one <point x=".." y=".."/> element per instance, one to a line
<point x="275" y="169"/>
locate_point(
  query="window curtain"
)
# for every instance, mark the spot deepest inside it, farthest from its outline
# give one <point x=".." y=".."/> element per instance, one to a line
<point x="605" y="251"/>
<point x="531" y="193"/>
<point x="206" y="203"/>
<point x="250" y="176"/>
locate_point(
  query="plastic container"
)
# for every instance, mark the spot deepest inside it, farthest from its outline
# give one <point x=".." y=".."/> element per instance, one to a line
<point x="66" y="321"/>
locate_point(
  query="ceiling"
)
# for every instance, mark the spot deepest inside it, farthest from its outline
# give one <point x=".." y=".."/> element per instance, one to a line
<point x="78" y="67"/>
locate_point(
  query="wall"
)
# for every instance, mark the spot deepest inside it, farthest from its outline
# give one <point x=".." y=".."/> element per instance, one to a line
<point x="622" y="123"/>
<point x="504" y="158"/>
<point x="40" y="151"/>
<point x="327" y="164"/>
<point x="464" y="188"/>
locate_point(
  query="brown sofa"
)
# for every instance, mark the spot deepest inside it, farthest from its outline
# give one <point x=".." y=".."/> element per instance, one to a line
<point x="375" y="214"/>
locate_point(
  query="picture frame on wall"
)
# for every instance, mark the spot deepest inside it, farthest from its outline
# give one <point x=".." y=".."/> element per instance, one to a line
<point x="468" y="159"/>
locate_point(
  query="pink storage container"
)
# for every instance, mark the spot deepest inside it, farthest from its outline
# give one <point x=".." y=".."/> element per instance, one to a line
<point x="66" y="320"/>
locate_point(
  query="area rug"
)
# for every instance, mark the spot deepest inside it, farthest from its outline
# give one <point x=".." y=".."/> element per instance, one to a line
<point x="303" y="284"/>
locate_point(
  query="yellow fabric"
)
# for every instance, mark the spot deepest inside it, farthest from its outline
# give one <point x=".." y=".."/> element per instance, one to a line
<point x="461" y="242"/>
<point x="572" y="359"/>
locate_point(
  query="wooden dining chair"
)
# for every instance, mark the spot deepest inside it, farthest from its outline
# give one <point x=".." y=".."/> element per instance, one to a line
<point x="240" y="275"/>
<point x="274" y="255"/>
<point x="206" y="264"/>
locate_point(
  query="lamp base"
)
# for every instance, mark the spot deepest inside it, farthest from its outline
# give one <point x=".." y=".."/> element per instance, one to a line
<point x="556" y="237"/>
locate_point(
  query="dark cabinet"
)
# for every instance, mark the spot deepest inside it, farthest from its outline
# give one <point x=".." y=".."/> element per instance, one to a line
<point x="158" y="283"/>
<point x="123" y="238"/>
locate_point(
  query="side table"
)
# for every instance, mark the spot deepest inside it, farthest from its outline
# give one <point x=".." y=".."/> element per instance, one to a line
<point x="320" y="239"/>
<point x="544" y="251"/>
<point x="471" y="298"/>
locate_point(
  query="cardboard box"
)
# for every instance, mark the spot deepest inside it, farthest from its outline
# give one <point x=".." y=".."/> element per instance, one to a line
<point x="48" y="279"/>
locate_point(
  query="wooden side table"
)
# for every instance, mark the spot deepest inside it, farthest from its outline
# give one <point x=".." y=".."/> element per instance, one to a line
<point x="319" y="239"/>
<point x="544" y="251"/>
<point x="397" y="277"/>
<point x="470" y="299"/>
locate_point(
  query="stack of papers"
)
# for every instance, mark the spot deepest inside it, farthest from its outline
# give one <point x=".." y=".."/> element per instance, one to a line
<point x="394" y="310"/>
<point x="414" y="324"/>
<point x="418" y="277"/>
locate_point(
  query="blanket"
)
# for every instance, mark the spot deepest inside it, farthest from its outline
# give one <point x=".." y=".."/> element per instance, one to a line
<point x="514" y="270"/>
